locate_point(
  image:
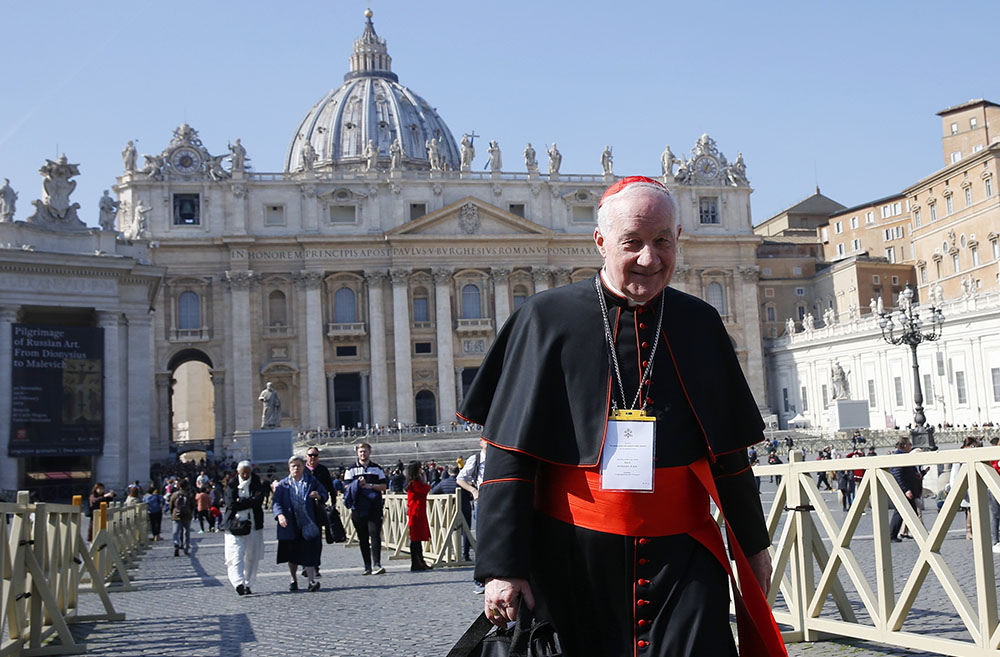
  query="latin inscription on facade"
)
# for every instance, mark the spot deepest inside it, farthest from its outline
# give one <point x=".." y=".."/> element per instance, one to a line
<point x="410" y="251"/>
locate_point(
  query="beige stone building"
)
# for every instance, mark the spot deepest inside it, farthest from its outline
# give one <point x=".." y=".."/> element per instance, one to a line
<point x="367" y="278"/>
<point x="968" y="128"/>
<point x="802" y="218"/>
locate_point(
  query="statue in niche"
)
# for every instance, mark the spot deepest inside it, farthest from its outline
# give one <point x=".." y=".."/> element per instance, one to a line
<point x="555" y="159"/>
<point x="667" y="161"/>
<point x="238" y="155"/>
<point x="107" y="208"/>
<point x="530" y="163"/>
<point x="371" y="156"/>
<point x="128" y="157"/>
<point x="790" y="326"/>
<point x="841" y="387"/>
<point x="468" y="153"/>
<point x="308" y="154"/>
<point x="606" y="161"/>
<point x="395" y="155"/>
<point x="56" y="188"/>
<point x="270" y="417"/>
<point x="8" y="199"/>
<point x="495" y="163"/>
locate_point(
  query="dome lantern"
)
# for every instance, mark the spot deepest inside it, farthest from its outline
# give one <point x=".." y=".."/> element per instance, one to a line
<point x="371" y="57"/>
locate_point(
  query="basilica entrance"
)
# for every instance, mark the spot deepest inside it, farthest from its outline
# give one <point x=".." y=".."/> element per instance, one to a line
<point x="192" y="401"/>
<point x="426" y="408"/>
<point x="347" y="395"/>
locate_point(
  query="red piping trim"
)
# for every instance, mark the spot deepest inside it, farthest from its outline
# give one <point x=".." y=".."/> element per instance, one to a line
<point x="733" y="474"/>
<point x="635" y="596"/>
<point x="459" y="415"/>
<point x="670" y="350"/>
<point x="733" y="451"/>
<point x="497" y="481"/>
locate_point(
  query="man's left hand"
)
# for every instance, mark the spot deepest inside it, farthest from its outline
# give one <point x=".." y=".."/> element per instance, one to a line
<point x="761" y="565"/>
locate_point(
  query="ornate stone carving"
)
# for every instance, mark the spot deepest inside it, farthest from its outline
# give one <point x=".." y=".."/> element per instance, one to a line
<point x="682" y="273"/>
<point x="442" y="276"/>
<point x="468" y="219"/>
<point x="54" y="209"/>
<point x="375" y="277"/>
<point x="240" y="280"/>
<point x="535" y="188"/>
<point x="497" y="189"/>
<point x="750" y="272"/>
<point x="540" y="273"/>
<point x="499" y="274"/>
<point x="239" y="190"/>
<point x="667" y="162"/>
<point x="400" y="276"/>
<point x="308" y="190"/>
<point x="437" y="189"/>
<point x="562" y="275"/>
<point x="396" y="189"/>
<point x="395" y="155"/>
<point x="309" y="279"/>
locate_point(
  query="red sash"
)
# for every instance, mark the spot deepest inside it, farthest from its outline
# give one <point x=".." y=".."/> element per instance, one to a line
<point x="573" y="495"/>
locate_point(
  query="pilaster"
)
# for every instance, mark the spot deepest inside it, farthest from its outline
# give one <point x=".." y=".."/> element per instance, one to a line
<point x="501" y="294"/>
<point x="541" y="277"/>
<point x="139" y="381"/>
<point x="405" y="411"/>
<point x="315" y="412"/>
<point x="445" y="344"/>
<point x="8" y="316"/>
<point x="111" y="466"/>
<point x="243" y="382"/>
<point x="376" y="348"/>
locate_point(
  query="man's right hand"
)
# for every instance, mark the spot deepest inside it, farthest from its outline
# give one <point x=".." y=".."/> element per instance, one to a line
<point x="502" y="598"/>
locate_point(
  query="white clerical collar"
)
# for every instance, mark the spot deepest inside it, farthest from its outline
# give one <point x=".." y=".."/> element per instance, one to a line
<point x="615" y="290"/>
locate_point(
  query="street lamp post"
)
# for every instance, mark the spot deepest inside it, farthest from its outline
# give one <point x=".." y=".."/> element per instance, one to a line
<point x="907" y="320"/>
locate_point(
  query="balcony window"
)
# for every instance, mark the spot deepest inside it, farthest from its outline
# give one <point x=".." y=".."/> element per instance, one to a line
<point x="277" y="308"/>
<point x="472" y="305"/>
<point x="344" y="307"/>
<point x="188" y="311"/>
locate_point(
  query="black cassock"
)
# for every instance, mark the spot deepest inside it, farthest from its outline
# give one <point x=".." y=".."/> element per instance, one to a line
<point x="543" y="395"/>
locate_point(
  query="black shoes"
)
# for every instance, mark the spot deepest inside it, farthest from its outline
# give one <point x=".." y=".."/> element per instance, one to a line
<point x="895" y="539"/>
<point x="241" y="590"/>
<point x="177" y="551"/>
<point x="294" y="586"/>
<point x="246" y="590"/>
<point x="313" y="587"/>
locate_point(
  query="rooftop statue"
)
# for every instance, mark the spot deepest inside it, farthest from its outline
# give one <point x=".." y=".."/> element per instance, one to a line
<point x="371" y="156"/>
<point x="107" y="208"/>
<point x="433" y="153"/>
<point x="667" y="162"/>
<point x="55" y="207"/>
<point x="308" y="156"/>
<point x="606" y="161"/>
<point x="238" y="156"/>
<point x="395" y="155"/>
<point x="495" y="163"/>
<point x="128" y="157"/>
<point x="468" y="153"/>
<point x="530" y="163"/>
<point x="555" y="159"/>
<point x="8" y="198"/>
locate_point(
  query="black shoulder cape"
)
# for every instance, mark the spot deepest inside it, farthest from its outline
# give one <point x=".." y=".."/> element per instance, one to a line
<point x="544" y="386"/>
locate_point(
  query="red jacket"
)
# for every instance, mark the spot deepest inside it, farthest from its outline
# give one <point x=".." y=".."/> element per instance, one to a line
<point x="416" y="511"/>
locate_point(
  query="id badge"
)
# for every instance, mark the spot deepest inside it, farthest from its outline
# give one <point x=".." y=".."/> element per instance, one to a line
<point x="627" y="458"/>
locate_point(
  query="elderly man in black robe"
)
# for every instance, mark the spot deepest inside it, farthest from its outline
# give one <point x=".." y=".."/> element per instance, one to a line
<point x="615" y="409"/>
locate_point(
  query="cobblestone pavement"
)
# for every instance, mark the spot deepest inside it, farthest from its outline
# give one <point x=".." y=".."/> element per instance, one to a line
<point x="185" y="607"/>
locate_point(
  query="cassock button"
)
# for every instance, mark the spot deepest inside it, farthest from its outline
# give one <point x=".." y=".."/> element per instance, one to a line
<point x="645" y="345"/>
<point x="643" y="541"/>
<point x="643" y="562"/>
<point x="645" y="363"/>
<point x="643" y="623"/>
<point x="641" y="643"/>
<point x="638" y="310"/>
<point x="643" y="582"/>
<point x="642" y="603"/>
<point x="641" y="325"/>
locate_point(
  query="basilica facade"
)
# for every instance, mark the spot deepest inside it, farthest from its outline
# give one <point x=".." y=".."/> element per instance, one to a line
<point x="367" y="279"/>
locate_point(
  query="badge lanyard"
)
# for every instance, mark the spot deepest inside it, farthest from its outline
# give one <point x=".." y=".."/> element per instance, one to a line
<point x="627" y="457"/>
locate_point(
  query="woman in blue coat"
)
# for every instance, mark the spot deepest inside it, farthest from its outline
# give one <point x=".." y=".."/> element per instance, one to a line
<point x="299" y="534"/>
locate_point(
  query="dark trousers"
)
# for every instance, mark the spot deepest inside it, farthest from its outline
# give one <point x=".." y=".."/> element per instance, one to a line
<point x="203" y="516"/>
<point x="370" y="537"/>
<point x="155" y="519"/>
<point x="467" y="513"/>
<point x="897" y="520"/>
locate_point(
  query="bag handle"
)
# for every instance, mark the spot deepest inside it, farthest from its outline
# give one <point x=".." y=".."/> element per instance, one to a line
<point x="472" y="637"/>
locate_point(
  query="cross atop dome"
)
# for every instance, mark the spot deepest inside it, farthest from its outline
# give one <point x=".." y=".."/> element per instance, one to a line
<point x="371" y="57"/>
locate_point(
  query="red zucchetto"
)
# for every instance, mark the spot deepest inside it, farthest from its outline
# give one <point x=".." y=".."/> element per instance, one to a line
<point x="625" y="182"/>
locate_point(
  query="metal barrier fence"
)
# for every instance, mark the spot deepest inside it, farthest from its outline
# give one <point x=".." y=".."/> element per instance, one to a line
<point x="447" y="525"/>
<point x="44" y="561"/>
<point x="816" y="563"/>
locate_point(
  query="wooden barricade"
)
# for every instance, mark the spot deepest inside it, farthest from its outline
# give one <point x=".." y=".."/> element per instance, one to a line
<point x="815" y="562"/>
<point x="121" y="537"/>
<point x="42" y="557"/>
<point x="447" y="525"/>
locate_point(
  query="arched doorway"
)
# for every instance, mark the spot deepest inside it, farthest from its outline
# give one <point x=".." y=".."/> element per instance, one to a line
<point x="192" y="402"/>
<point x="426" y="408"/>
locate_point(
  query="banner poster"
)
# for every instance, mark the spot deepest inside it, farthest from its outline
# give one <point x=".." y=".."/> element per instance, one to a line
<point x="57" y="388"/>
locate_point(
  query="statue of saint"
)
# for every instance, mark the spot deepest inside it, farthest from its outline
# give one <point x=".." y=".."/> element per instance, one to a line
<point x="308" y="154"/>
<point x="8" y="199"/>
<point x="790" y="326"/>
<point x="667" y="161"/>
<point x="530" y="163"/>
<point x="736" y="174"/>
<point x="371" y="156"/>
<point x="270" y="416"/>
<point x="555" y="159"/>
<point x="807" y="322"/>
<point x="128" y="157"/>
<point x="215" y="170"/>
<point x="496" y="163"/>
<point x="468" y="153"/>
<point x="841" y="387"/>
<point x="140" y="225"/>
<point x="154" y="167"/>
<point x="238" y="155"/>
<point x="433" y="154"/>
<point x="606" y="161"/>
<point x="107" y="207"/>
<point x="396" y="155"/>
<point x="873" y="306"/>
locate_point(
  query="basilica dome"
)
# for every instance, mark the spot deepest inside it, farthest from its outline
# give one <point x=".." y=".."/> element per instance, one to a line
<point x="370" y="105"/>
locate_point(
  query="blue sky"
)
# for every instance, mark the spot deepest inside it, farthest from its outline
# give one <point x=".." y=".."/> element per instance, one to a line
<point x="843" y="94"/>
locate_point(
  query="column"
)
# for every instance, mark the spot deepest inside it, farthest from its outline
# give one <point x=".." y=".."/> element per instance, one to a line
<point x="562" y="276"/>
<point x="366" y="411"/>
<point x="109" y="467"/>
<point x="459" y="386"/>
<point x="331" y="401"/>
<point x="139" y="382"/>
<point x="541" y="277"/>
<point x="315" y="413"/>
<point x="405" y="411"/>
<point x="376" y="348"/>
<point x="240" y="346"/>
<point x="748" y="316"/>
<point x="161" y="449"/>
<point x="445" y="342"/>
<point x="219" y="387"/>
<point x="501" y="294"/>
<point x="8" y="316"/>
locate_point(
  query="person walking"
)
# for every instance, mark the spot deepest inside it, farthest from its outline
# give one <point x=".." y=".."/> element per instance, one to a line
<point x="181" y="512"/>
<point x="154" y="508"/>
<point x="365" y="483"/>
<point x="98" y="494"/>
<point x="243" y="524"/>
<point x="203" y="503"/>
<point x="416" y="515"/>
<point x="294" y="507"/>
<point x="909" y="479"/>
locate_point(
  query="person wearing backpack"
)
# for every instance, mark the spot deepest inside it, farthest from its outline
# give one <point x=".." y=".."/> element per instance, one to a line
<point x="154" y="507"/>
<point x="181" y="512"/>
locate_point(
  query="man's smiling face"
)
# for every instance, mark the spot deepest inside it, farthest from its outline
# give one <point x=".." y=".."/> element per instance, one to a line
<point x="639" y="245"/>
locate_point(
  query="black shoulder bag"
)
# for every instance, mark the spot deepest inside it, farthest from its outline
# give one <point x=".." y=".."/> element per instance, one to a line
<point x="527" y="638"/>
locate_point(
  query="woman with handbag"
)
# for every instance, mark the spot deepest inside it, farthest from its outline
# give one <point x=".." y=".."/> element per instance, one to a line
<point x="244" y="526"/>
<point x="298" y="530"/>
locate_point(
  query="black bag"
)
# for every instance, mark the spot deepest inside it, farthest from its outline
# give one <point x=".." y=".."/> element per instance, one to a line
<point x="527" y="638"/>
<point x="240" y="527"/>
<point x="335" y="532"/>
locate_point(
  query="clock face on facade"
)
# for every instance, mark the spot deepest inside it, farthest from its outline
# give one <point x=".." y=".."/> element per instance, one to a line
<point x="706" y="166"/>
<point x="185" y="160"/>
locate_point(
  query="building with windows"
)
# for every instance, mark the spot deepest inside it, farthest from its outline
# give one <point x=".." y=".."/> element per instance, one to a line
<point x="367" y="278"/>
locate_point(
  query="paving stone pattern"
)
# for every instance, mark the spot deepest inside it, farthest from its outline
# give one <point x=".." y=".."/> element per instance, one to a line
<point x="185" y="607"/>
